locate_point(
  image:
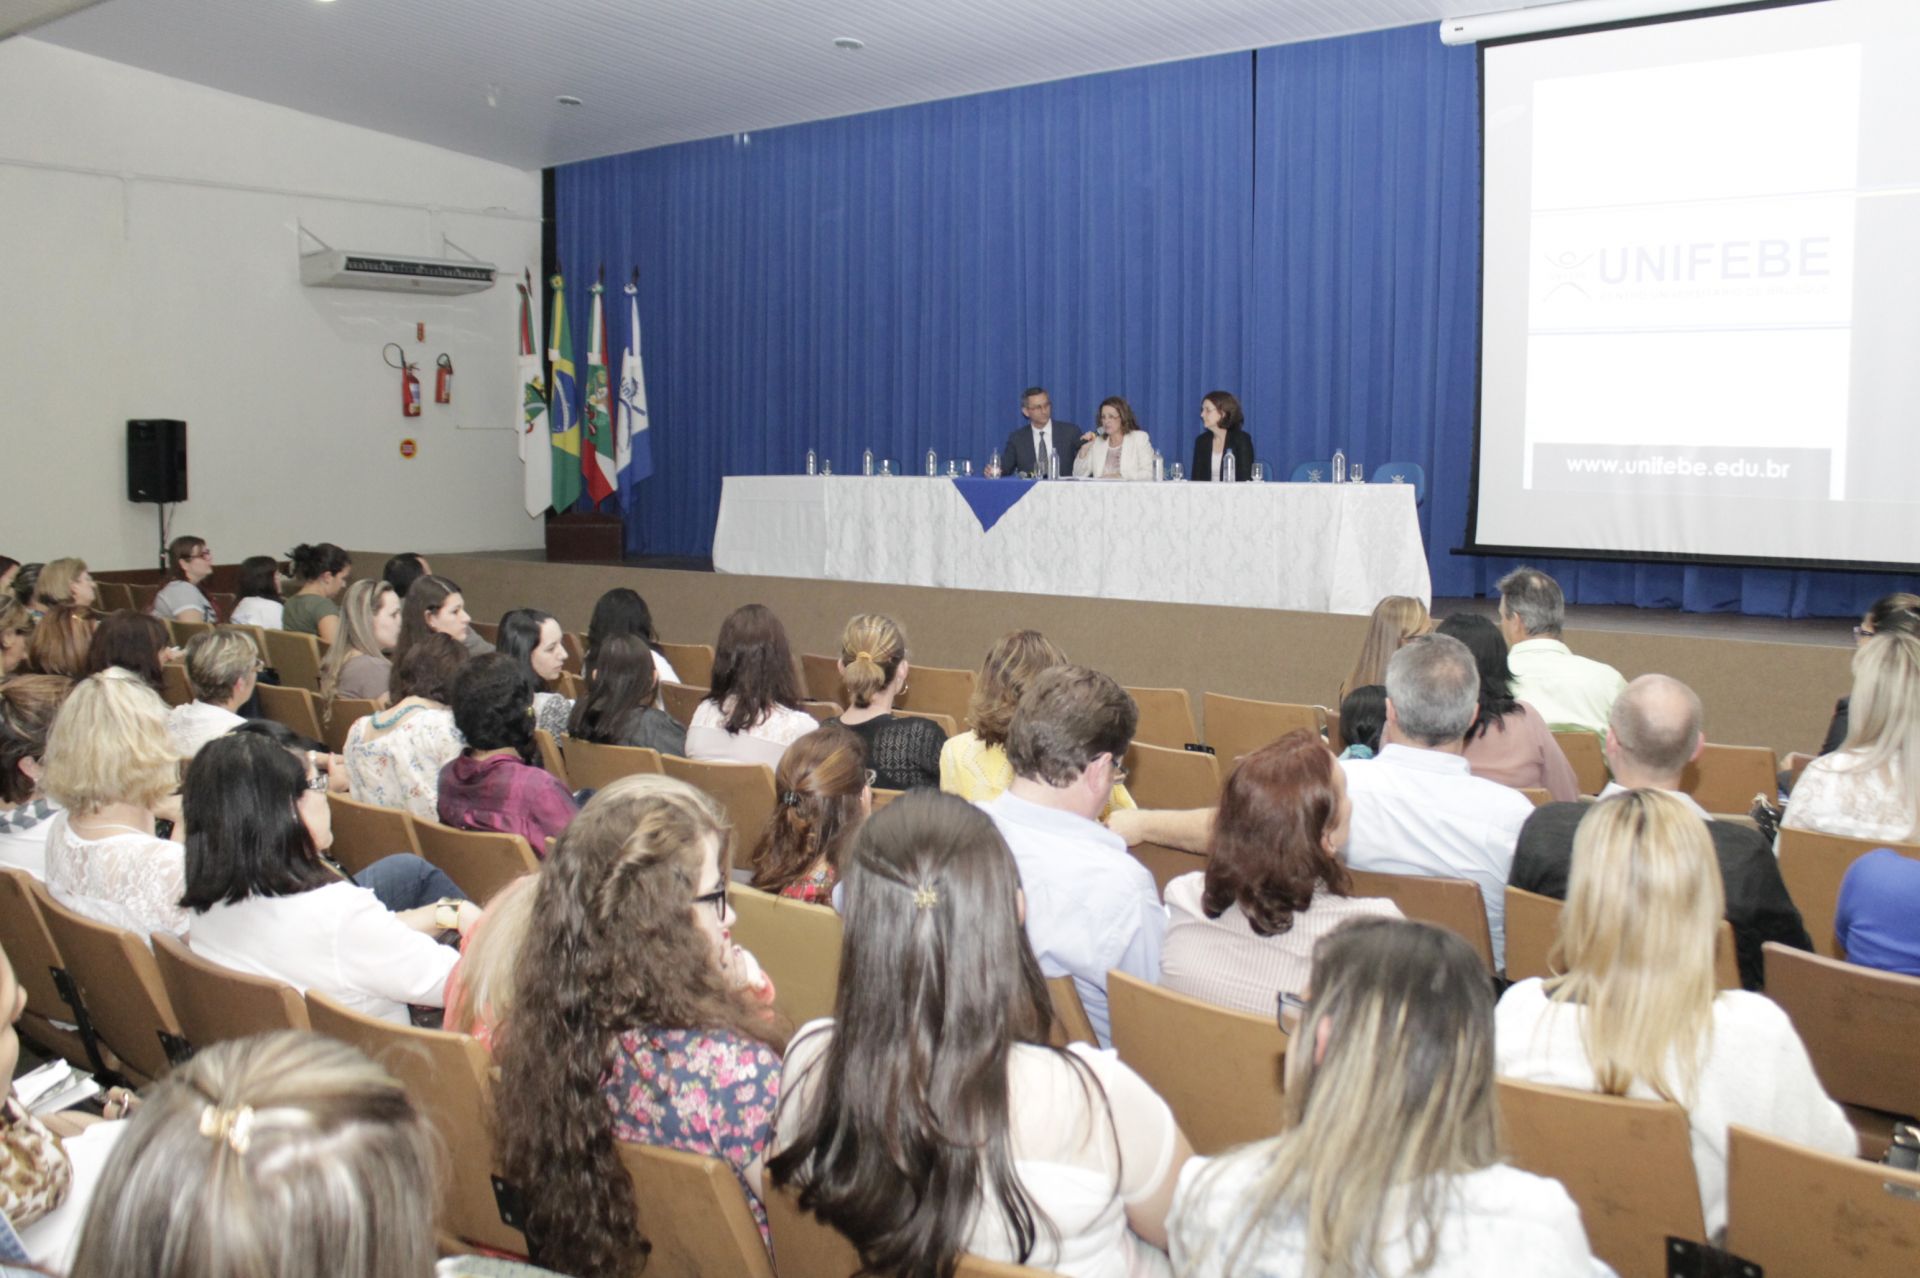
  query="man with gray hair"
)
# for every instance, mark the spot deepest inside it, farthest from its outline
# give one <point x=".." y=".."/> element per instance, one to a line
<point x="1655" y="731"/>
<point x="1568" y="691"/>
<point x="1417" y="807"/>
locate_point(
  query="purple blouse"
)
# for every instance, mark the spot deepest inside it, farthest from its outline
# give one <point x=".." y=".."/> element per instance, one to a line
<point x="505" y="796"/>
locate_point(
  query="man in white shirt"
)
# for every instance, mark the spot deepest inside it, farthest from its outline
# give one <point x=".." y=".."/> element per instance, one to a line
<point x="1091" y="907"/>
<point x="1417" y="808"/>
<point x="1568" y="691"/>
<point x="222" y="666"/>
<point x="1029" y="447"/>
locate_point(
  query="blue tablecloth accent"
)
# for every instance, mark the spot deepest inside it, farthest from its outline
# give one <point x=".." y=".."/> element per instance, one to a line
<point x="991" y="498"/>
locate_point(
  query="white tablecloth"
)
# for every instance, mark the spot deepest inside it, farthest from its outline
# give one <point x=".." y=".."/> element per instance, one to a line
<point x="1304" y="547"/>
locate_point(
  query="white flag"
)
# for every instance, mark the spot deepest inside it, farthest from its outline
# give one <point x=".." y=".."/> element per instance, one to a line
<point x="536" y="450"/>
<point x="633" y="444"/>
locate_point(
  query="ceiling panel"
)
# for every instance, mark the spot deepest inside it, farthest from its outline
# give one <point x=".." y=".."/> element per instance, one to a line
<point x="481" y="76"/>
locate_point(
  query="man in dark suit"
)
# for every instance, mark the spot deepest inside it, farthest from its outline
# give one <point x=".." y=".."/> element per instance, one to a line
<point x="1653" y="732"/>
<point x="1026" y="449"/>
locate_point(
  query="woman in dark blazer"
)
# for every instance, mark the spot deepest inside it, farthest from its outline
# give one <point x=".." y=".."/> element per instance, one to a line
<point x="1225" y="434"/>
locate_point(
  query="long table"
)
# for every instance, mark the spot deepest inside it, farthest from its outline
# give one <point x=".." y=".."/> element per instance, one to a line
<point x="1303" y="547"/>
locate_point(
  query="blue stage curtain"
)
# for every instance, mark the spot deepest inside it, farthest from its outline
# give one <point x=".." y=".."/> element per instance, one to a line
<point x="894" y="280"/>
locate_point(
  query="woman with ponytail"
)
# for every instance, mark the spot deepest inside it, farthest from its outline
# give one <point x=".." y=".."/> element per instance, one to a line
<point x="826" y="791"/>
<point x="322" y="572"/>
<point x="904" y="752"/>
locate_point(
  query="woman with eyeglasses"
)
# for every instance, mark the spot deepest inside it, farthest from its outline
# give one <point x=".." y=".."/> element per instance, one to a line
<point x="825" y="790"/>
<point x="189" y="562"/>
<point x="636" y="1019"/>
<point x="1389" y="1162"/>
<point x="931" y="1117"/>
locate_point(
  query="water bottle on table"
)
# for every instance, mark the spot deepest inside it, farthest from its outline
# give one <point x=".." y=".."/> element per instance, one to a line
<point x="1228" y="469"/>
<point x="1339" y="466"/>
<point x="866" y="462"/>
<point x="933" y="464"/>
<point x="813" y="462"/>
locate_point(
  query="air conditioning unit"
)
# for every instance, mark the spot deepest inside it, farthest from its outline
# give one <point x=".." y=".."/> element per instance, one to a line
<point x="342" y="268"/>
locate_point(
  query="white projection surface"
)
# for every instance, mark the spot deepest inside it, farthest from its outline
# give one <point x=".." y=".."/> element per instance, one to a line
<point x="1701" y="291"/>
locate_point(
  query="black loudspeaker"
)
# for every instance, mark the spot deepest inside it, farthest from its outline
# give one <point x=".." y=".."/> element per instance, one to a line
<point x="157" y="461"/>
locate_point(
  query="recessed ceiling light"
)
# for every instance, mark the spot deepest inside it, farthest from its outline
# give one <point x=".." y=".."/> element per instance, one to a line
<point x="567" y="99"/>
<point x="849" y="44"/>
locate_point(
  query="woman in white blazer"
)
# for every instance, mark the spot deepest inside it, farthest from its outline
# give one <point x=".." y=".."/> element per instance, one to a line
<point x="1101" y="458"/>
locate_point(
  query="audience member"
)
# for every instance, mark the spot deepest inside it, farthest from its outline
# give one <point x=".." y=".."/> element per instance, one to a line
<point x="1653" y="733"/>
<point x="1899" y="611"/>
<point x="1417" y="808"/>
<point x="257" y="594"/>
<point x="286" y="1154"/>
<point x="1120" y="449"/>
<point x="1015" y="1150"/>
<point x="752" y="711"/>
<point x="1389" y="1162"/>
<point x="435" y="605"/>
<point x="481" y="992"/>
<point x="1870" y="787"/>
<point x="322" y="571"/>
<point x="1091" y="907"/>
<point x="1877" y="919"/>
<point x="222" y="666"/>
<point x="9" y="570"/>
<point x="137" y="642"/>
<point x="265" y="903"/>
<point x="903" y="752"/>
<point x="637" y="1021"/>
<point x="65" y="581"/>
<point x="1225" y="436"/>
<point x="1363" y="717"/>
<point x="28" y="704"/>
<point x="622" y="684"/>
<point x="356" y="664"/>
<point x="492" y="785"/>
<point x="974" y="764"/>
<point x="532" y="638"/>
<point x="36" y="1173"/>
<point x="623" y="612"/>
<point x="15" y="629"/>
<point x="1636" y="1013"/>
<point x="189" y="562"/>
<point x="1568" y="691"/>
<point x="61" y="642"/>
<point x="394" y="756"/>
<point x="1242" y="932"/>
<point x="24" y="582"/>
<point x="825" y="790"/>
<point x="403" y="570"/>
<point x="108" y="764"/>
<point x="1509" y="742"/>
<point x="1396" y="619"/>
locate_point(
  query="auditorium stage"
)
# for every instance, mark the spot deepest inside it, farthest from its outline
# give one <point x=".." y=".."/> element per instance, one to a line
<point x="1766" y="681"/>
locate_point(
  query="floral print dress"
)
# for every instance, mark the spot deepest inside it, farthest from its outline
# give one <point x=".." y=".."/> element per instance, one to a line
<point x="709" y="1092"/>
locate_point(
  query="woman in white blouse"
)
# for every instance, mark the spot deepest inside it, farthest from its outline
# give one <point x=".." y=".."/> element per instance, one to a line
<point x="1636" y="1013"/>
<point x="394" y="756"/>
<point x="1119" y="450"/>
<point x="109" y="764"/>
<point x="266" y="904"/>
<point x="752" y="712"/>
<point x="1870" y="787"/>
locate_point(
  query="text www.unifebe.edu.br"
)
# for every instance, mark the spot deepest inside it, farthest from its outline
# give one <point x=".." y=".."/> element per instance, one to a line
<point x="1679" y="467"/>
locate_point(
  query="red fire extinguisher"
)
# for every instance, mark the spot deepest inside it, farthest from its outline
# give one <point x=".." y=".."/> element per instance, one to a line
<point x="443" y="380"/>
<point x="409" y="382"/>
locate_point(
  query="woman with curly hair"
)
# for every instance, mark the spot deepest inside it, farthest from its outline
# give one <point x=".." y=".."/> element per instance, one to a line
<point x="636" y="1019"/>
<point x="826" y="791"/>
<point x="493" y="784"/>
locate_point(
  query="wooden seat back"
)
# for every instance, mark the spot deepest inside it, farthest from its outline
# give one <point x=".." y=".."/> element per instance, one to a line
<point x="175" y="688"/>
<point x="114" y="596"/>
<point x="1163" y="778"/>
<point x="939" y="689"/>
<point x="797" y="944"/>
<point x="294" y="707"/>
<point x="341" y="714"/>
<point x="296" y="656"/>
<point x="1070" y="1021"/>
<point x="480" y="862"/>
<point x="693" y="662"/>
<point x="823" y="710"/>
<point x="1586" y="754"/>
<point x="41" y="972"/>
<point x="819" y="675"/>
<point x="1218" y="1069"/>
<point x="1533" y="927"/>
<point x="1793" y="1210"/>
<point x="1166" y="863"/>
<point x="120" y="987"/>
<point x="1166" y="717"/>
<point x="553" y="758"/>
<point x="1238" y="726"/>
<point x="216" y="1003"/>
<point x="1628" y="1165"/>
<point x="744" y="790"/>
<point x="1454" y="904"/>
<point x="1861" y="1026"/>
<point x="693" y="1214"/>
<point x="591" y="766"/>
<point x="810" y="1248"/>
<point x="1725" y="778"/>
<point x="365" y="832"/>
<point x="1812" y="866"/>
<point x="682" y="699"/>
<point x="945" y="722"/>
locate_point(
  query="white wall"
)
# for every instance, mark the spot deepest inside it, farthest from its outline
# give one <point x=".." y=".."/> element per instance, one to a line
<point x="165" y="282"/>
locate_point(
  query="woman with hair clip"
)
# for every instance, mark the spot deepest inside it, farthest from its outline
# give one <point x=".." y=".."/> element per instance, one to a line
<point x="135" y="641"/>
<point x="532" y="638"/>
<point x="286" y="1154"/>
<point x="257" y="600"/>
<point x="937" y="1059"/>
<point x="356" y="665"/>
<point x="189" y="562"/>
<point x="1225" y="437"/>
<point x="1395" y="619"/>
<point x="1118" y="450"/>
<point x="1870" y="787"/>
<point x="903" y="751"/>
<point x="1242" y="932"/>
<point x="434" y="606"/>
<point x="826" y="791"/>
<point x="637" y="1019"/>
<point x="623" y="612"/>
<point x="1637" y="1014"/>
<point x="1389" y="1164"/>
<point x="322" y="572"/>
<point x="622" y="685"/>
<point x="752" y="711"/>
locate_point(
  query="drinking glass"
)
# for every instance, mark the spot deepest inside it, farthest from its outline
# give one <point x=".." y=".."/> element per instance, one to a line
<point x="1177" y="473"/>
<point x="966" y="468"/>
<point x="1259" y="472"/>
<point x="1355" y="473"/>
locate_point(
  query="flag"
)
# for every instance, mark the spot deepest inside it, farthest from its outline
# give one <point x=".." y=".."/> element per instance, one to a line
<point x="535" y="452"/>
<point x="633" y="445"/>
<point x="563" y="422"/>
<point x="596" y="441"/>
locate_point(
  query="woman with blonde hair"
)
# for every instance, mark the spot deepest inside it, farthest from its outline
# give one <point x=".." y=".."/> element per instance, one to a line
<point x="109" y="764"/>
<point x="1636" y="1012"/>
<point x="356" y="664"/>
<point x="1389" y="1161"/>
<point x="826" y="791"/>
<point x="481" y="992"/>
<point x="286" y="1154"/>
<point x="16" y="628"/>
<point x="1396" y="619"/>
<point x="636" y="1020"/>
<point x="65" y="581"/>
<point x="974" y="764"/>
<point x="1870" y="787"/>
<point x="903" y="752"/>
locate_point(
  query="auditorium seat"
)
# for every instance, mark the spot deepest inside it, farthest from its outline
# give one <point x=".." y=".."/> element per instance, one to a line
<point x="341" y="714"/>
<point x="50" y="1018"/>
<point x="553" y="759"/>
<point x="114" y="974"/>
<point x="293" y="707"/>
<point x="1589" y="761"/>
<point x="1166" y="863"/>
<point x="744" y="791"/>
<point x="682" y="699"/>
<point x="941" y="690"/>
<point x="1238" y="726"/>
<point x="1533" y="925"/>
<point x="796" y="943"/>
<point x="693" y="662"/>
<point x="184" y="631"/>
<point x="1070" y="1021"/>
<point x="295" y="657"/>
<point x="175" y="688"/>
<point x="1537" y="795"/>
<point x="1793" y="1211"/>
<point x="1166" y="717"/>
<point x="820" y="675"/>
<point x="1725" y="778"/>
<point x="481" y="863"/>
<point x="114" y="596"/>
<point x="1312" y="472"/>
<point x="576" y="650"/>
<point x="365" y="832"/>
<point x="1219" y="1070"/>
<point x="810" y="1248"/>
<point x="1454" y="904"/>
<point x="590" y="766"/>
<point x="693" y="1214"/>
<point x="216" y="1003"/>
<point x="881" y="798"/>
<point x="945" y="722"/>
<point x="822" y="710"/>
<point x="1399" y="472"/>
<point x="1163" y="778"/>
<point x="1812" y="866"/>
<point x="490" y="631"/>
